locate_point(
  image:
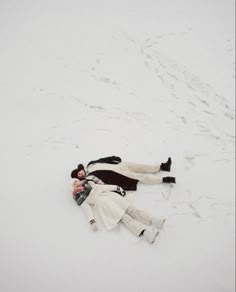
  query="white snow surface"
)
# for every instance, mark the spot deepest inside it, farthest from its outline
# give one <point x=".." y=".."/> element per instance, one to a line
<point x="144" y="80"/>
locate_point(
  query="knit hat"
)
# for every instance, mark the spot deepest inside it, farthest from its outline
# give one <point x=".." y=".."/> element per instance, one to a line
<point x="75" y="171"/>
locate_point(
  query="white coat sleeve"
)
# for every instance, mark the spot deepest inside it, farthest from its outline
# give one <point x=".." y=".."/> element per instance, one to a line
<point x="107" y="188"/>
<point x="88" y="212"/>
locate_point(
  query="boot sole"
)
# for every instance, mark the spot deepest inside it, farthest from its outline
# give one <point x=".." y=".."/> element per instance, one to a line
<point x="155" y="237"/>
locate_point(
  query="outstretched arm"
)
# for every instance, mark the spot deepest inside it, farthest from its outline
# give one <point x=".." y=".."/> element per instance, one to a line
<point x="110" y="188"/>
<point x="110" y="159"/>
<point x="89" y="214"/>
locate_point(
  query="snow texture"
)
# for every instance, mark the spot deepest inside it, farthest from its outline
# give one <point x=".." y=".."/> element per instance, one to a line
<point x="145" y="80"/>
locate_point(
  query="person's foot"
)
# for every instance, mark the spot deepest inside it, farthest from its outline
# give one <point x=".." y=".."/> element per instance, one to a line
<point x="150" y="234"/>
<point x="169" y="180"/>
<point x="167" y="165"/>
<point x="158" y="223"/>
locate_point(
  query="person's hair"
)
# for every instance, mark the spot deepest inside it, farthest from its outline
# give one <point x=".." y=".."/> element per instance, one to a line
<point x="71" y="183"/>
<point x="75" y="171"/>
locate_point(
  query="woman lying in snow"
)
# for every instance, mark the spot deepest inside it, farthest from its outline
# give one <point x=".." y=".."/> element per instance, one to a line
<point x="112" y="170"/>
<point x="113" y="207"/>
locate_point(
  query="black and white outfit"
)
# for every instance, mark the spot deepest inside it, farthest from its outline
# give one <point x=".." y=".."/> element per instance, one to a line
<point x="111" y="170"/>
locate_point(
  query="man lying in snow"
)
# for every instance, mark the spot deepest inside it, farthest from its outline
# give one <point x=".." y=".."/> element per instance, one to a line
<point x="112" y="208"/>
<point x="111" y="170"/>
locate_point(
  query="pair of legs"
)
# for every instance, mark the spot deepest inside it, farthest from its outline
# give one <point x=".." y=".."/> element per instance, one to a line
<point x="137" y="221"/>
<point x="142" y="172"/>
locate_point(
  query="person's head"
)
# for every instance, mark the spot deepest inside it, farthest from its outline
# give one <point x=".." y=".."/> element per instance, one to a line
<point x="74" y="184"/>
<point x="79" y="172"/>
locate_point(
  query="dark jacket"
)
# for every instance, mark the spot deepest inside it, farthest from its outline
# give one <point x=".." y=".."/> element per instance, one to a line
<point x="113" y="178"/>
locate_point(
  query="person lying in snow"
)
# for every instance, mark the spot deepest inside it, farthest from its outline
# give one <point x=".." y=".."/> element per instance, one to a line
<point x="112" y="208"/>
<point x="111" y="170"/>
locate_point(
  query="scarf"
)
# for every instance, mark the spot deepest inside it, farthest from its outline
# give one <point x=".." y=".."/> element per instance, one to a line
<point x="81" y="193"/>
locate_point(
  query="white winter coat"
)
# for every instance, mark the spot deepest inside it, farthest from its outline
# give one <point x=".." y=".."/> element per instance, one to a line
<point x="110" y="206"/>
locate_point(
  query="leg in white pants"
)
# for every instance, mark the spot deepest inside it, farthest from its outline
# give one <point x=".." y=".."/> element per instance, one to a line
<point x="144" y="217"/>
<point x="140" y="168"/>
<point x="143" y="178"/>
<point x="139" y="215"/>
<point x="133" y="225"/>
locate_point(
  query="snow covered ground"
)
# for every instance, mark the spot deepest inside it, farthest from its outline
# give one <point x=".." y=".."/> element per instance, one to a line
<point x="144" y="80"/>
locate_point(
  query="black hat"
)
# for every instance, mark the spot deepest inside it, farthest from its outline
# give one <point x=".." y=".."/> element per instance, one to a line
<point x="75" y="171"/>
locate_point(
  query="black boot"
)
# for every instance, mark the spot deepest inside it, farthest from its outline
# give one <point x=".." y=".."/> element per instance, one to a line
<point x="166" y="166"/>
<point x="169" y="179"/>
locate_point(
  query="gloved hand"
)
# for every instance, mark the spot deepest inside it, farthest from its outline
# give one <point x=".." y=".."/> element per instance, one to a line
<point x="93" y="225"/>
<point x="117" y="158"/>
<point x="120" y="191"/>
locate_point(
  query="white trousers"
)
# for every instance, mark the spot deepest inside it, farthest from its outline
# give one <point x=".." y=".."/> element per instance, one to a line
<point x="142" y="172"/>
<point x="136" y="220"/>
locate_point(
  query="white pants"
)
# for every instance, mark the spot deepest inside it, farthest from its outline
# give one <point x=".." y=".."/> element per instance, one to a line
<point x="136" y="220"/>
<point x="142" y="172"/>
